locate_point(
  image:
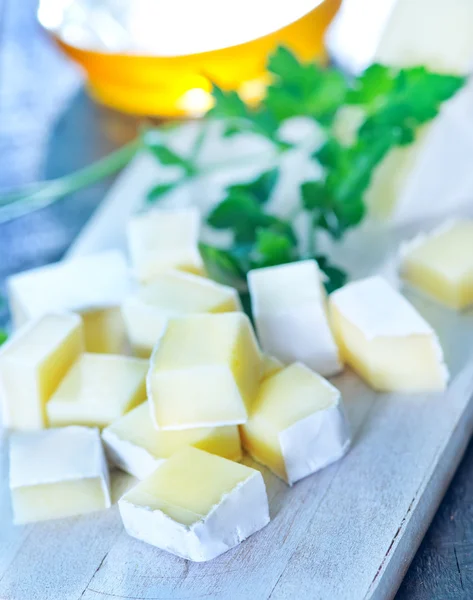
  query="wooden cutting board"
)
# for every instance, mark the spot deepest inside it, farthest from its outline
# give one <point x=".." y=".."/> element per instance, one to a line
<point x="348" y="532"/>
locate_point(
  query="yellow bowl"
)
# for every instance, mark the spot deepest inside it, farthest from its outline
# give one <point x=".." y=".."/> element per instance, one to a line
<point x="179" y="85"/>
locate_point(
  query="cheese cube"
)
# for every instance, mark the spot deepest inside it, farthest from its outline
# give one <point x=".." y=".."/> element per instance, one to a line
<point x="32" y="363"/>
<point x="172" y="294"/>
<point x="164" y="239"/>
<point x="404" y="33"/>
<point x="441" y="264"/>
<point x="98" y="389"/>
<point x="136" y="446"/>
<point x="271" y="366"/>
<point x="57" y="473"/>
<point x="196" y="505"/>
<point x="297" y="424"/>
<point x="385" y="340"/>
<point x="204" y="372"/>
<point x="289" y="309"/>
<point x="93" y="286"/>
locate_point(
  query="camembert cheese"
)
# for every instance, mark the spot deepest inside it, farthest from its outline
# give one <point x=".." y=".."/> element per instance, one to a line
<point x="164" y="239"/>
<point x="57" y="473"/>
<point x="441" y="264"/>
<point x="289" y="309"/>
<point x="93" y="286"/>
<point x="32" y="364"/>
<point x="97" y="390"/>
<point x="136" y="446"/>
<point x="385" y="340"/>
<point x="196" y="505"/>
<point x="204" y="372"/>
<point x="172" y="294"/>
<point x="297" y="424"/>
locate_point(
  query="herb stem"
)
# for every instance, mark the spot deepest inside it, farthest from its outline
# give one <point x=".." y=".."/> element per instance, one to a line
<point x="38" y="196"/>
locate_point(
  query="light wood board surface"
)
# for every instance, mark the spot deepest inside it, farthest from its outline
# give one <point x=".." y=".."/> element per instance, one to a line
<point x="348" y="532"/>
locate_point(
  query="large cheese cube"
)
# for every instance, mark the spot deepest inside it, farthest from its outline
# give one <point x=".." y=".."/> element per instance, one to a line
<point x="136" y="446"/>
<point x="93" y="286"/>
<point x="297" y="424"/>
<point x="164" y="239"/>
<point x="98" y="389"/>
<point x="204" y="372"/>
<point x="172" y="294"/>
<point x="32" y="364"/>
<point x="385" y="340"/>
<point x="196" y="505"/>
<point x="289" y="309"/>
<point x="441" y="264"/>
<point x="271" y="366"/>
<point x="57" y="473"/>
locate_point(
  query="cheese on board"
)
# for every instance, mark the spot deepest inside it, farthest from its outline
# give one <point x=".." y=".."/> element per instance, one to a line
<point x="57" y="473"/>
<point x="271" y="366"/>
<point x="385" y="340"/>
<point x="441" y="264"/>
<point x="93" y="286"/>
<point x="159" y="240"/>
<point x="289" y="308"/>
<point x="172" y="294"/>
<point x="32" y="364"/>
<point x="297" y="424"/>
<point x="204" y="372"/>
<point x="136" y="446"/>
<point x="97" y="390"/>
<point x="196" y="505"/>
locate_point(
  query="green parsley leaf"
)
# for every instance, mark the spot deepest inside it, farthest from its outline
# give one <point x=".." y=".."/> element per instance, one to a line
<point x="158" y="191"/>
<point x="222" y="266"/>
<point x="273" y="248"/>
<point x="3" y="336"/>
<point x="261" y="188"/>
<point x="336" y="278"/>
<point x="168" y="157"/>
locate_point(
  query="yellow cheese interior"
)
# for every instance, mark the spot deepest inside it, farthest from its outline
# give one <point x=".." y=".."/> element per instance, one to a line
<point x="137" y="428"/>
<point x="205" y="371"/>
<point x="57" y="500"/>
<point x="34" y="363"/>
<point x="404" y="363"/>
<point x="104" y="331"/>
<point x="188" y="485"/>
<point x="98" y="389"/>
<point x="284" y="398"/>
<point x="172" y="294"/>
<point x="442" y="266"/>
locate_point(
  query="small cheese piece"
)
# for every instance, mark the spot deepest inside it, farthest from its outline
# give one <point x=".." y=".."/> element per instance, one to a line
<point x="204" y="372"/>
<point x="93" y="286"/>
<point x="196" y="505"/>
<point x="172" y="294"/>
<point x="385" y="340"/>
<point x="97" y="390"/>
<point x="297" y="424"/>
<point x="164" y="239"/>
<point x="136" y="446"/>
<point x="271" y="366"/>
<point x="289" y="309"/>
<point x="441" y="264"/>
<point x="32" y="364"/>
<point x="57" y="473"/>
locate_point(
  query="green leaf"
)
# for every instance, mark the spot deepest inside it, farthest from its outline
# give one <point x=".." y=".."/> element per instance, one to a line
<point x="158" y="191"/>
<point x="3" y="336"/>
<point x="261" y="187"/>
<point x="227" y="104"/>
<point x="222" y="266"/>
<point x="273" y="248"/>
<point x="168" y="157"/>
<point x="315" y="195"/>
<point x="336" y="277"/>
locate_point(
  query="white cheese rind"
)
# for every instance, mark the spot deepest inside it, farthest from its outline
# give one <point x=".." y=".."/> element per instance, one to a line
<point x="57" y="455"/>
<point x="296" y="328"/>
<point x="238" y="515"/>
<point x="88" y="283"/>
<point x="315" y="442"/>
<point x="129" y="457"/>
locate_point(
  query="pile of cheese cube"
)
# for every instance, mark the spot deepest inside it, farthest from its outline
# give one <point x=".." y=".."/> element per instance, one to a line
<point x="200" y="387"/>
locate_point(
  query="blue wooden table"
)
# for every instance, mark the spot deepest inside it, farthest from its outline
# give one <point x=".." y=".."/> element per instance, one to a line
<point x="49" y="127"/>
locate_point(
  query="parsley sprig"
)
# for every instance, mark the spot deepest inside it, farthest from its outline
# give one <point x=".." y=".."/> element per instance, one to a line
<point x="391" y="105"/>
